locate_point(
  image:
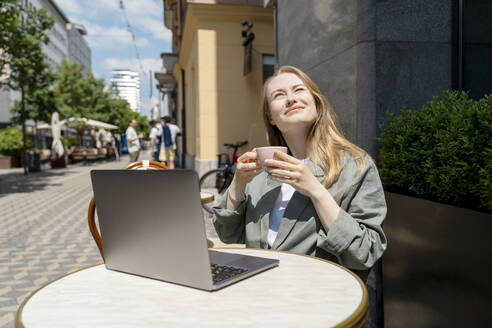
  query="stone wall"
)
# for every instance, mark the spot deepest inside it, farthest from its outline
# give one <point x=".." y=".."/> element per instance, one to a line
<point x="369" y="56"/>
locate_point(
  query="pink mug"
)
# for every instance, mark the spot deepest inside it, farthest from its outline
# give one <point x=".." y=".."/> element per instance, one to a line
<point x="264" y="153"/>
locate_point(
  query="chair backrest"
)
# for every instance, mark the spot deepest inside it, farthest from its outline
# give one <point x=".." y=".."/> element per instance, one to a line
<point x="140" y="165"/>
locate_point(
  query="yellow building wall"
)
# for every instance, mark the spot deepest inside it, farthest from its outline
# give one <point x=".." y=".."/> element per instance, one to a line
<point x="208" y="92"/>
<point x="191" y="100"/>
<point x="179" y="102"/>
<point x="222" y="105"/>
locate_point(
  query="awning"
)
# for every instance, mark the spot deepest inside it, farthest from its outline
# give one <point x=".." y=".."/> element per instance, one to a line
<point x="73" y="122"/>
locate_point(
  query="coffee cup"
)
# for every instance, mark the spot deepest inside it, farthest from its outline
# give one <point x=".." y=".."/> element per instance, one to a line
<point x="264" y="153"/>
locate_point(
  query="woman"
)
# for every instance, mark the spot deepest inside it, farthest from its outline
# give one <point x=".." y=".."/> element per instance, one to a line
<point x="324" y="199"/>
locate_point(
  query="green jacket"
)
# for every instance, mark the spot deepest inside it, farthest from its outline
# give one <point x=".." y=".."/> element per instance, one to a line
<point x="356" y="239"/>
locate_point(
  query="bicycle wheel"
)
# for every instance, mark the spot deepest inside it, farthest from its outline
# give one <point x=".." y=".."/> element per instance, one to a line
<point x="215" y="182"/>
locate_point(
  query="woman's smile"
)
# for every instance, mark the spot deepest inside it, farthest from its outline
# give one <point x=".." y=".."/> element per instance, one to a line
<point x="293" y="109"/>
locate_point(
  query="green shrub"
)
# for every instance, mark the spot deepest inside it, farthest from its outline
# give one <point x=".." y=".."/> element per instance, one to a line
<point x="70" y="141"/>
<point x="442" y="152"/>
<point x="10" y="141"/>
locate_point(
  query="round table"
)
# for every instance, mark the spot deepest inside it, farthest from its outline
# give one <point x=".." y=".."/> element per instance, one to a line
<point x="302" y="291"/>
<point x="206" y="197"/>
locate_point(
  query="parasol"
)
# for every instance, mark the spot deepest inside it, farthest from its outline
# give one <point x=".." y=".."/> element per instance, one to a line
<point x="56" y="147"/>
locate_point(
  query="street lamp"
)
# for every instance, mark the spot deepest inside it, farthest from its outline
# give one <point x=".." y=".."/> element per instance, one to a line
<point x="248" y="37"/>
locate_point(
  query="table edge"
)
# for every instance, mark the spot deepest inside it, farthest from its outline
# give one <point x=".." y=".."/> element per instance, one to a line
<point x="356" y="319"/>
<point x="18" y="315"/>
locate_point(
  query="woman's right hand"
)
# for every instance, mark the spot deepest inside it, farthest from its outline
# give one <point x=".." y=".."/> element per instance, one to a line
<point x="247" y="168"/>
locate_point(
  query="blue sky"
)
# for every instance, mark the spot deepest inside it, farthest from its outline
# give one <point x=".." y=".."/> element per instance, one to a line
<point x="111" y="43"/>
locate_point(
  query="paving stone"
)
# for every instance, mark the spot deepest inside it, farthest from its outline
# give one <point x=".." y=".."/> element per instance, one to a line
<point x="44" y="232"/>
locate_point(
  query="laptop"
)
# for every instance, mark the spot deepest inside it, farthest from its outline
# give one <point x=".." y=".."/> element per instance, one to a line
<point x="152" y="225"/>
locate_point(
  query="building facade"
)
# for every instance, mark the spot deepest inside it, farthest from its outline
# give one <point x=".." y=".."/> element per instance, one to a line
<point x="57" y="48"/>
<point x="167" y="85"/>
<point x="128" y="84"/>
<point x="66" y="42"/>
<point x="216" y="102"/>
<point x="78" y="48"/>
<point x="370" y="57"/>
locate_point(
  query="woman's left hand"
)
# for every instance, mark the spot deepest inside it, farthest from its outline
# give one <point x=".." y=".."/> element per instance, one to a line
<point x="293" y="171"/>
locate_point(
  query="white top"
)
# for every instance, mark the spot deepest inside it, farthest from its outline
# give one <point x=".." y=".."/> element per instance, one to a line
<point x="301" y="292"/>
<point x="155" y="133"/>
<point x="135" y="144"/>
<point x="174" y="131"/>
<point x="286" y="192"/>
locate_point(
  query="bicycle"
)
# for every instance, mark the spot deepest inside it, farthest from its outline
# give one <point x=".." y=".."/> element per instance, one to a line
<point x="217" y="181"/>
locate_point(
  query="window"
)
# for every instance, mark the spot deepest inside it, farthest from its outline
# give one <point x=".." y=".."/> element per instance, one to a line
<point x="474" y="65"/>
<point x="268" y="66"/>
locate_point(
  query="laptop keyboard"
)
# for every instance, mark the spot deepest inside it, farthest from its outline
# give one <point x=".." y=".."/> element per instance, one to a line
<point x="223" y="272"/>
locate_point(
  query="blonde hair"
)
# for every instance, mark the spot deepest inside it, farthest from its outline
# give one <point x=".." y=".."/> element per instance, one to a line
<point x="324" y="140"/>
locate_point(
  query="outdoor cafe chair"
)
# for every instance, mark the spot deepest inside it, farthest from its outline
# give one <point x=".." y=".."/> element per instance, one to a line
<point x="140" y="165"/>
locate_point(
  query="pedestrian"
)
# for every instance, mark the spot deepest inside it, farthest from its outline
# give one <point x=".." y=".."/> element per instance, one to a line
<point x="171" y="150"/>
<point x="114" y="145"/>
<point x="117" y="141"/>
<point x="132" y="140"/>
<point x="324" y="198"/>
<point x="155" y="139"/>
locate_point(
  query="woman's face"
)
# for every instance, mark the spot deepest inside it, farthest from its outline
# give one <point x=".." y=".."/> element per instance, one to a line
<point x="291" y="104"/>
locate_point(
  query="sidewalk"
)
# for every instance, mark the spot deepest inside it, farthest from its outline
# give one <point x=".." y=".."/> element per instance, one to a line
<point x="44" y="232"/>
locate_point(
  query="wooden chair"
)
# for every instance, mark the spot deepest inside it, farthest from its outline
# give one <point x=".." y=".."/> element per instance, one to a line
<point x="141" y="165"/>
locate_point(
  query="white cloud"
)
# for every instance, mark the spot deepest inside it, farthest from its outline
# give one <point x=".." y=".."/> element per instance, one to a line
<point x="89" y="8"/>
<point x="147" y="15"/>
<point x="144" y="15"/>
<point x="141" y="42"/>
<point x="69" y="6"/>
<point x="113" y="37"/>
<point x="111" y="41"/>
<point x="156" y="28"/>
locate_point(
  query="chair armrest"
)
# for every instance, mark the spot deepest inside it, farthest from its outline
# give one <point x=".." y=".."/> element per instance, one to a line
<point x="92" y="226"/>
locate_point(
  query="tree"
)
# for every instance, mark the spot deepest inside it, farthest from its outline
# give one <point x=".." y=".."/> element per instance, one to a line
<point x="143" y="125"/>
<point x="22" y="31"/>
<point x="22" y="65"/>
<point x="10" y="142"/>
<point x="72" y="91"/>
<point x="118" y="112"/>
<point x="39" y="104"/>
<point x="82" y="96"/>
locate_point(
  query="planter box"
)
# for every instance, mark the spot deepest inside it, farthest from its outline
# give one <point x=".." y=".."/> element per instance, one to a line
<point x="437" y="265"/>
<point x="58" y="163"/>
<point x="5" y="162"/>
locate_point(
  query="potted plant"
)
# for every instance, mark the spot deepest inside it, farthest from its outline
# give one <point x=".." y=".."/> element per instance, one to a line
<point x="10" y="147"/>
<point x="68" y="143"/>
<point x="436" y="167"/>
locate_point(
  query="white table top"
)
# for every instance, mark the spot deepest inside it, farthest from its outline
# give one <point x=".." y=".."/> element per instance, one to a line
<point x="301" y="291"/>
<point x="206" y="197"/>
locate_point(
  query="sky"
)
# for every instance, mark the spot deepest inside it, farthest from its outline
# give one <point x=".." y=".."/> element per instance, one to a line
<point x="111" y="42"/>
